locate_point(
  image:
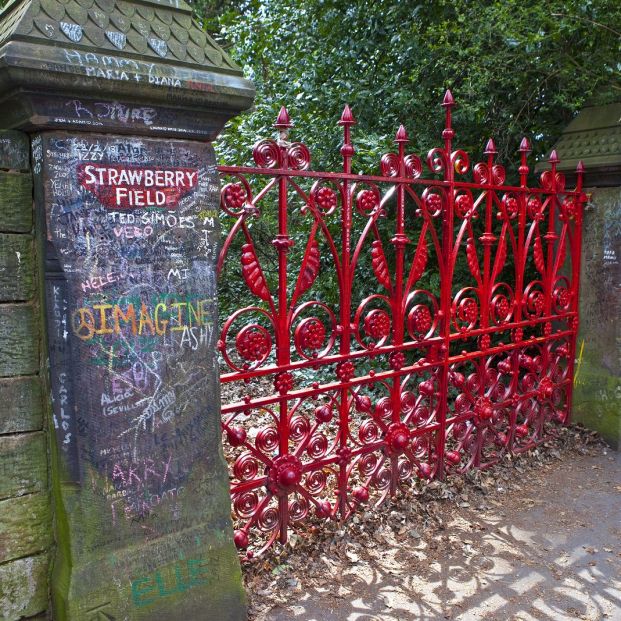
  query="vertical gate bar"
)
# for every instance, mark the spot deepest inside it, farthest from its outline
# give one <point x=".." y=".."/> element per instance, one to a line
<point x="551" y="236"/>
<point x="283" y="353"/>
<point x="399" y="241"/>
<point x="576" y="259"/>
<point x="347" y="152"/>
<point x="520" y="267"/>
<point x="446" y="286"/>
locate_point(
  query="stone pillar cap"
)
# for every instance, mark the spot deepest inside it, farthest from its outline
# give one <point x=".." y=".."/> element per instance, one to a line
<point x="139" y="66"/>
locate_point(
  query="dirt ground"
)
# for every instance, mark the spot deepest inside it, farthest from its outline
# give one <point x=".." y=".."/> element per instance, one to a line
<point x="536" y="538"/>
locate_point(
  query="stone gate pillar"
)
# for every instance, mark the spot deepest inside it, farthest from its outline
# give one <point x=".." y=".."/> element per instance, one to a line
<point x="122" y="100"/>
<point x="595" y="137"/>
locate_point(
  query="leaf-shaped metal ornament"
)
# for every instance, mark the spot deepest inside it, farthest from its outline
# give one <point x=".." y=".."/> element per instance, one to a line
<point x="310" y="268"/>
<point x="252" y="273"/>
<point x="420" y="261"/>
<point x="540" y="263"/>
<point x="473" y="260"/>
<point x="560" y="253"/>
<point x="379" y="264"/>
<point x="501" y="256"/>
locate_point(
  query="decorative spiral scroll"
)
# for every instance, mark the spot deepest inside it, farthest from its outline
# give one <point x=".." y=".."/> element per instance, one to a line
<point x="314" y="337"/>
<point x="482" y="174"/>
<point x="367" y="464"/>
<point x="405" y="469"/>
<point x="550" y="182"/>
<point x="316" y="482"/>
<point x="381" y="479"/>
<point x="268" y="519"/>
<point x="317" y="446"/>
<point x="267" y="154"/>
<point x="369" y="432"/>
<point x="465" y="309"/>
<point x="460" y="161"/>
<point x="422" y="317"/>
<point x="245" y="504"/>
<point x="298" y="156"/>
<point x="298" y="508"/>
<point x="501" y="303"/>
<point x="299" y="428"/>
<point x="267" y="440"/>
<point x="246" y="467"/>
<point x="533" y="300"/>
<point x="390" y="164"/>
<point x="437" y="160"/>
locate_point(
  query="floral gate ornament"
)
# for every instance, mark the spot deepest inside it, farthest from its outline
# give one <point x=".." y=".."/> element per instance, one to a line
<point x="408" y="375"/>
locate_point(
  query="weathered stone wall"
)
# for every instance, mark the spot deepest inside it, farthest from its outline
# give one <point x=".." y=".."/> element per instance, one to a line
<point x="25" y="520"/>
<point x="597" y="378"/>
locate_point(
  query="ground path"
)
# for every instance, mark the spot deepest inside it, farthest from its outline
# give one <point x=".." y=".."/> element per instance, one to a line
<point x="538" y="539"/>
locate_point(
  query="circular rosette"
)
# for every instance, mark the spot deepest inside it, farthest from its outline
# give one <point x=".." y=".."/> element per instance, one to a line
<point x="236" y="197"/>
<point x="562" y="296"/>
<point x="422" y="316"/>
<point x="534" y="207"/>
<point x="396" y="439"/>
<point x="326" y="195"/>
<point x="284" y="475"/>
<point x="373" y="325"/>
<point x="298" y="156"/>
<point x="314" y="335"/>
<point x="252" y="341"/>
<point x="510" y="206"/>
<point x="569" y="208"/>
<point x="267" y="154"/>
<point x="464" y="204"/>
<point x="368" y="200"/>
<point x="433" y="201"/>
<point x="465" y="309"/>
<point x="502" y="303"/>
<point x="533" y="300"/>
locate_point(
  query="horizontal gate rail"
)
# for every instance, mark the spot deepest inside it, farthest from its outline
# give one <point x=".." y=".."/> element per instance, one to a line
<point x="387" y="327"/>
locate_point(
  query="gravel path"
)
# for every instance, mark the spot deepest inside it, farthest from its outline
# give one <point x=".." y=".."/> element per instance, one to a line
<point x="539" y="539"/>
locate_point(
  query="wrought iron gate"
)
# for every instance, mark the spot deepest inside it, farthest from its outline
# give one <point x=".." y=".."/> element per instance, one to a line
<point x="398" y="326"/>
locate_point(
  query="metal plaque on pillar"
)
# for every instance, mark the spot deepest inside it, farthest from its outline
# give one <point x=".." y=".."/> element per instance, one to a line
<point x="131" y="226"/>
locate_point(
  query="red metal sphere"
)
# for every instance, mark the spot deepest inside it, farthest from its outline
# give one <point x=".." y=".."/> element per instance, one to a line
<point x="324" y="414"/>
<point x="360" y="494"/>
<point x="426" y="388"/>
<point x="501" y="439"/>
<point x="521" y="430"/>
<point x="453" y="457"/>
<point x="288" y="477"/>
<point x="240" y="538"/>
<point x="236" y="436"/>
<point x="425" y="470"/>
<point x="363" y="403"/>
<point x="324" y="509"/>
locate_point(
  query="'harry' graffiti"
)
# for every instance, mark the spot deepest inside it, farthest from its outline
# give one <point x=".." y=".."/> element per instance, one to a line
<point x="131" y="306"/>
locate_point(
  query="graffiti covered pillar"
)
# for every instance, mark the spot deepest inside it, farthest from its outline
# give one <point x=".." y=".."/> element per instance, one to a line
<point x="122" y="101"/>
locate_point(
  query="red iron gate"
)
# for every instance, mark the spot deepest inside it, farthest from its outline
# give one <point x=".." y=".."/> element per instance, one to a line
<point x="451" y="339"/>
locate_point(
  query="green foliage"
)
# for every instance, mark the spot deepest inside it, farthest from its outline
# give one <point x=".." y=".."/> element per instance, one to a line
<point x="517" y="67"/>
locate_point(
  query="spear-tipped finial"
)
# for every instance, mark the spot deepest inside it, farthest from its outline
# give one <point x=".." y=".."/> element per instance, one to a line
<point x="580" y="168"/>
<point x="554" y="159"/>
<point x="402" y="135"/>
<point x="283" y="121"/>
<point x="490" y="147"/>
<point x="525" y="146"/>
<point x="347" y="118"/>
<point x="448" y="101"/>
